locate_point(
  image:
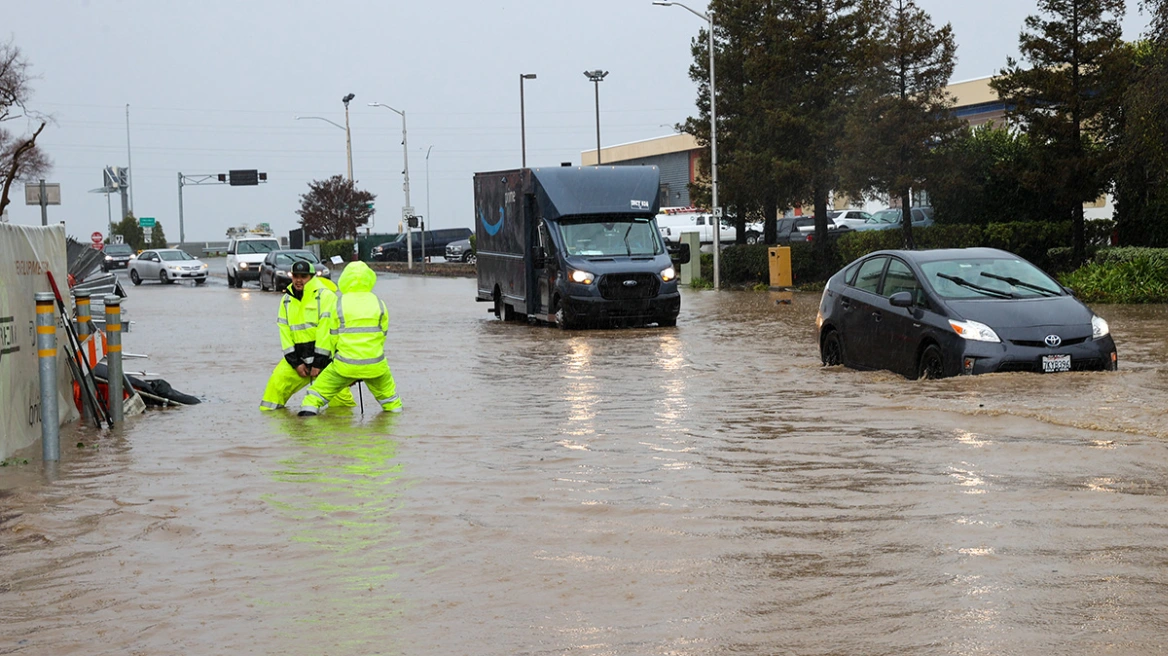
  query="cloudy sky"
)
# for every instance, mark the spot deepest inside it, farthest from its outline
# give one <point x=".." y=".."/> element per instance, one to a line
<point x="216" y="85"/>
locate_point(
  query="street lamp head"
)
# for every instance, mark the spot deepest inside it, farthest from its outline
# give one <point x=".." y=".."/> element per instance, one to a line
<point x="527" y="76"/>
<point x="347" y="98"/>
<point x="596" y="76"/>
<point x="663" y="3"/>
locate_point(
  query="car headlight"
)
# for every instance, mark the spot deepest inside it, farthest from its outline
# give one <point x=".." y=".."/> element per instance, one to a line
<point x="668" y="274"/>
<point x="974" y="331"/>
<point x="203" y="266"/>
<point x="243" y="265"/>
<point x="1099" y="327"/>
<point x="174" y="267"/>
<point x="582" y="277"/>
<point x="322" y="272"/>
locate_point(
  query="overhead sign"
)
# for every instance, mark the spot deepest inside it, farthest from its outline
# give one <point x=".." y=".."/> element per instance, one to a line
<point x="146" y="222"/>
<point x="32" y="193"/>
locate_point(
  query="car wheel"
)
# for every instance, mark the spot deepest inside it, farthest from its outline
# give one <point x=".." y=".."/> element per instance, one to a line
<point x="263" y="287"/>
<point x="230" y="279"/>
<point x="470" y="258"/>
<point x="162" y="278"/>
<point x="135" y="278"/>
<point x="199" y="281"/>
<point x="831" y="352"/>
<point x="753" y="238"/>
<point x="667" y="322"/>
<point x="931" y="366"/>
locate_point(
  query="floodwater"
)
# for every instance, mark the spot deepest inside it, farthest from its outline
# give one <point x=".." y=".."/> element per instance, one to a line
<point x="708" y="489"/>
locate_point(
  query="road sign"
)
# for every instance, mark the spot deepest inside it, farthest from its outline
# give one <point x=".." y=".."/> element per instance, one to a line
<point x="146" y="222"/>
<point x="95" y="237"/>
<point x="32" y="193"/>
<point x="718" y="212"/>
<point x="117" y="239"/>
<point x="147" y="233"/>
<point x="407" y="212"/>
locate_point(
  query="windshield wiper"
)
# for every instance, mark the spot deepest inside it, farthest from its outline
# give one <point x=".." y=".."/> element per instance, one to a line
<point x="1018" y="283"/>
<point x="977" y="288"/>
<point x="628" y="248"/>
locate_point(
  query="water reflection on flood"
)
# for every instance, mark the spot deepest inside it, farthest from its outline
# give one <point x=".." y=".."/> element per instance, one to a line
<point x="707" y="489"/>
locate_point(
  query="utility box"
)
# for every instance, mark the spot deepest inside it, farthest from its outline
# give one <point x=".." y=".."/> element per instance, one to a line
<point x="693" y="268"/>
<point x="780" y="266"/>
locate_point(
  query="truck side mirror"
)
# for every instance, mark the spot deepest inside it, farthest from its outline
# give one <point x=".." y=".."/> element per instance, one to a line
<point x="540" y="259"/>
<point x="678" y="252"/>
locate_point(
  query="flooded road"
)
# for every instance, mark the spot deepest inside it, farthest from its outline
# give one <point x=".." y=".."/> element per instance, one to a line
<point x="708" y="489"/>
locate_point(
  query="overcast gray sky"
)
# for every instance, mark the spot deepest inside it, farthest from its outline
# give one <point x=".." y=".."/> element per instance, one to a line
<point x="215" y="85"/>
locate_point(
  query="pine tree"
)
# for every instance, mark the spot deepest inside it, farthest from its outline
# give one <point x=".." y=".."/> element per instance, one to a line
<point x="1061" y="99"/>
<point x="903" y="111"/>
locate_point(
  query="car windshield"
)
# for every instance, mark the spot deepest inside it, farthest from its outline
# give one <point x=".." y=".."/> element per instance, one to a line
<point x="885" y="216"/>
<point x="119" y="249"/>
<point x="290" y="258"/>
<point x="174" y="256"/>
<point x="258" y="246"/>
<point x="610" y="236"/>
<point x="988" y="278"/>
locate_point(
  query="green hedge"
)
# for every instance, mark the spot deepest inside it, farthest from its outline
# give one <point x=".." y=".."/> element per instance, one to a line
<point x="749" y="264"/>
<point x="342" y="247"/>
<point x="1127" y="277"/>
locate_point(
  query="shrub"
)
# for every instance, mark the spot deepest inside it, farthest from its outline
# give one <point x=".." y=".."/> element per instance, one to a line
<point x="1142" y="279"/>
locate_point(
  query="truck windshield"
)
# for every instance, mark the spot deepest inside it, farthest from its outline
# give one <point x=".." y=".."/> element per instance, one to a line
<point x="610" y="236"/>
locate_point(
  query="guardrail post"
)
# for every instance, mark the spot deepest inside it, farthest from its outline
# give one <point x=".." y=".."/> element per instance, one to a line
<point x="113" y="356"/>
<point x="81" y="299"/>
<point x="46" y="329"/>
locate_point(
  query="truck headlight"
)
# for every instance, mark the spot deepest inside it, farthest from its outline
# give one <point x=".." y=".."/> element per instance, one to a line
<point x="1099" y="327"/>
<point x="582" y="277"/>
<point x="243" y="265"/>
<point x="974" y="331"/>
<point x="668" y="274"/>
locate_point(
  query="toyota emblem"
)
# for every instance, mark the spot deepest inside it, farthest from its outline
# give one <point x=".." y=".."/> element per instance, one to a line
<point x="633" y="283"/>
<point x="1053" y="340"/>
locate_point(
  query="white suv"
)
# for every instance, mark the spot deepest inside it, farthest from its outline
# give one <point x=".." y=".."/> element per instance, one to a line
<point x="244" y="257"/>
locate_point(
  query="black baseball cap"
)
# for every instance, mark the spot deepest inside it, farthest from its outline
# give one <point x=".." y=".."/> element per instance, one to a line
<point x="303" y="268"/>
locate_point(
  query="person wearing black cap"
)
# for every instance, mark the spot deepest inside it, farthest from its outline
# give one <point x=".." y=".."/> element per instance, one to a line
<point x="300" y="312"/>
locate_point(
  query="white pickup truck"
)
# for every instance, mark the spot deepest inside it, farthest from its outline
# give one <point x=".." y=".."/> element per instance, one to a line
<point x="671" y="225"/>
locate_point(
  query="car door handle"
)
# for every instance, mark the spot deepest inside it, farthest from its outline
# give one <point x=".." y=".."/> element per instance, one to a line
<point x="845" y="304"/>
<point x="876" y="316"/>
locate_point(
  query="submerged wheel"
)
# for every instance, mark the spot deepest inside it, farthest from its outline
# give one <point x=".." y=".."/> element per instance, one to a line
<point x="199" y="281"/>
<point x="162" y="278"/>
<point x="135" y="278"/>
<point x="503" y="311"/>
<point x="230" y="279"/>
<point x="564" y="318"/>
<point x="931" y="365"/>
<point x="831" y="353"/>
<point x="667" y="322"/>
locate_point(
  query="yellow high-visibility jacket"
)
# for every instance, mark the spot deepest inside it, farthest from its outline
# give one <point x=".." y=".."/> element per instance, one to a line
<point x="352" y="336"/>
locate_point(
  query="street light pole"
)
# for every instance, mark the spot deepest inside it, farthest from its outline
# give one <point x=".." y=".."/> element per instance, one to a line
<point x="348" y="142"/>
<point x="597" y="77"/>
<point x="522" y="124"/>
<point x="406" y="186"/>
<point x="348" y="137"/>
<point x="428" y="186"/>
<point x="709" y="18"/>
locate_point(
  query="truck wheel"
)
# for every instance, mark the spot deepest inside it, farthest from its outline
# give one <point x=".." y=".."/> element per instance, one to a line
<point x="503" y="311"/>
<point x="564" y="318"/>
<point x="753" y="238"/>
<point x="230" y="279"/>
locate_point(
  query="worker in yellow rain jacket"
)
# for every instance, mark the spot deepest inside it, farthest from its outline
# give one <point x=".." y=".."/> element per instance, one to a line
<point x="350" y="344"/>
<point x="300" y="313"/>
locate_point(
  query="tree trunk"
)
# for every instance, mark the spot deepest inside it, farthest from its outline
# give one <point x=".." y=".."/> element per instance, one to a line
<point x="770" y="210"/>
<point x="821" y="247"/>
<point x="906" y="220"/>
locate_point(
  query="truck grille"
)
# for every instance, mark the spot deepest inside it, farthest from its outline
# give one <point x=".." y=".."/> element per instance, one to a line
<point x="629" y="286"/>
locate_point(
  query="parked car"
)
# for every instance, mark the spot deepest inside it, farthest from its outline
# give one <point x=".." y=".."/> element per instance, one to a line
<point x="802" y="228"/>
<point x="849" y="218"/>
<point x="117" y="256"/>
<point x="937" y="313"/>
<point x="888" y="219"/>
<point x="435" y="242"/>
<point x="244" y="257"/>
<point x="461" y="251"/>
<point x="167" y="265"/>
<point x="276" y="269"/>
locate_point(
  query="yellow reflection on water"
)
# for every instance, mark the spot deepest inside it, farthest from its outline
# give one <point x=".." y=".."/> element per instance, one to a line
<point x="340" y="493"/>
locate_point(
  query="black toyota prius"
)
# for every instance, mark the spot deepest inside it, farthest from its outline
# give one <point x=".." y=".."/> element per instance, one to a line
<point x="937" y="313"/>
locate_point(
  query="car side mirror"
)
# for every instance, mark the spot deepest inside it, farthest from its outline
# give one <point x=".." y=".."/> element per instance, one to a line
<point x="901" y="299"/>
<point x="678" y="252"/>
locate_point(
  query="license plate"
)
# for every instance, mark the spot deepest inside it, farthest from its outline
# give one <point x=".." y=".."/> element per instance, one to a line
<point x="1054" y="363"/>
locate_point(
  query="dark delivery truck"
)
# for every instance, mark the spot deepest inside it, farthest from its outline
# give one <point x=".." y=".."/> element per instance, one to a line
<point x="575" y="246"/>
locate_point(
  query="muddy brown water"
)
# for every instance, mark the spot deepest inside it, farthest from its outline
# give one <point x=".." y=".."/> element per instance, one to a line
<point x="708" y="489"/>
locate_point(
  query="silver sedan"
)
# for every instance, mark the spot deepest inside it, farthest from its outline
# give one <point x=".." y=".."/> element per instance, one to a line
<point x="167" y="265"/>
